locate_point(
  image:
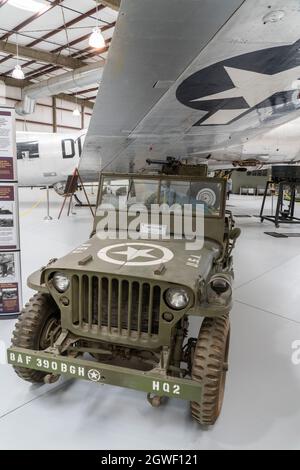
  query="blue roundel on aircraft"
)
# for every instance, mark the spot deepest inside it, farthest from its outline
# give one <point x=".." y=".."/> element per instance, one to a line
<point x="260" y="79"/>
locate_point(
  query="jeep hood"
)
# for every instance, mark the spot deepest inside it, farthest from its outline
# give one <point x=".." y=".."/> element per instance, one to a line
<point x="168" y="260"/>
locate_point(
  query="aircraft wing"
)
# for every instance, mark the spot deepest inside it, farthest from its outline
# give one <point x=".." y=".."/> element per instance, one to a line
<point x="192" y="77"/>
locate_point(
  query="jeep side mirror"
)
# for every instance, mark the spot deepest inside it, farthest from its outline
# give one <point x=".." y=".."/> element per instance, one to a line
<point x="235" y="233"/>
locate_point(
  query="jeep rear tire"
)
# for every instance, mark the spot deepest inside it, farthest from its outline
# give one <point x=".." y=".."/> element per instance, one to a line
<point x="210" y="365"/>
<point x="38" y="323"/>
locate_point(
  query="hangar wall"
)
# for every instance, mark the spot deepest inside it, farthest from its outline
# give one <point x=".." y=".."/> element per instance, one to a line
<point x="248" y="180"/>
<point x="42" y="120"/>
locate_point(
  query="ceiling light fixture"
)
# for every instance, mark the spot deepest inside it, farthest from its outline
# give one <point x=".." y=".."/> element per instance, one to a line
<point x="28" y="5"/>
<point x="76" y="112"/>
<point x="96" y="40"/>
<point x="18" y="73"/>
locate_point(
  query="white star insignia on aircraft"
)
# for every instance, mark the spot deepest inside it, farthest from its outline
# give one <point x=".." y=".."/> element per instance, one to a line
<point x="254" y="87"/>
<point x="132" y="253"/>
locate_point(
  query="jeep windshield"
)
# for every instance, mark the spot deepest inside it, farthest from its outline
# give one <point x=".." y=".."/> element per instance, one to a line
<point x="119" y="192"/>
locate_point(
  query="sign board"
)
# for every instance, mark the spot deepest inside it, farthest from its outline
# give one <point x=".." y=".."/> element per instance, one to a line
<point x="7" y="145"/>
<point x="9" y="217"/>
<point x="10" y="263"/>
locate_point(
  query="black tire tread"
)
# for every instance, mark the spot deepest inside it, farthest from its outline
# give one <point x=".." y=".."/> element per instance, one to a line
<point x="27" y="329"/>
<point x="208" y="367"/>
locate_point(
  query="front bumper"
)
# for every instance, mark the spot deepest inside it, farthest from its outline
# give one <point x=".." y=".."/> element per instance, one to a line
<point x="154" y="381"/>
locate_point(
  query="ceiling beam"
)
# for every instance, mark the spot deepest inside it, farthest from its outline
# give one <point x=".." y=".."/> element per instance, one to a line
<point x="31" y="19"/>
<point x="83" y="92"/>
<point x="65" y="46"/>
<point x="72" y="99"/>
<point x="76" y="20"/>
<point x="83" y="38"/>
<point x="54" y="31"/>
<point x="72" y="43"/>
<point x="9" y="81"/>
<point x="94" y="53"/>
<point x="86" y="55"/>
<point x="40" y="56"/>
<point x="114" y="4"/>
<point x="46" y="69"/>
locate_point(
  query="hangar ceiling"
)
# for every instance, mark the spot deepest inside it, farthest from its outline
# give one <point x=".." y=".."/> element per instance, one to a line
<point x="54" y="40"/>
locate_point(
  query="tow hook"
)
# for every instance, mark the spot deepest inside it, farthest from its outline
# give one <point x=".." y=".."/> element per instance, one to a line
<point x="51" y="378"/>
<point x="155" y="400"/>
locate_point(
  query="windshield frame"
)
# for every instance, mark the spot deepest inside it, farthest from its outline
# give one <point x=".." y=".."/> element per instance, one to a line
<point x="163" y="177"/>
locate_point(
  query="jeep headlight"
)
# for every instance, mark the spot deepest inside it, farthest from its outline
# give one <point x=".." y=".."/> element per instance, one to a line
<point x="177" y="298"/>
<point x="60" y="282"/>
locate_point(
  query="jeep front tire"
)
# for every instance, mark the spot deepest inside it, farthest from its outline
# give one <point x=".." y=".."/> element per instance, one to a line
<point x="209" y="367"/>
<point x="37" y="326"/>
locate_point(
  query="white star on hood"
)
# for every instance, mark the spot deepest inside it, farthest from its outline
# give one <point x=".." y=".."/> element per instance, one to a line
<point x="132" y="253"/>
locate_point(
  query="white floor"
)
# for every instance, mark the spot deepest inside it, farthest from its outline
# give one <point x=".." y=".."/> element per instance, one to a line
<point x="262" y="402"/>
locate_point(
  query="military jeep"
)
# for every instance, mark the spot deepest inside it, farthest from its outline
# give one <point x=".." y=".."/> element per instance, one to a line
<point x="116" y="309"/>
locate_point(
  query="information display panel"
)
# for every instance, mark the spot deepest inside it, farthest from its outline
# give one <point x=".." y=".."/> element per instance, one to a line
<point x="10" y="262"/>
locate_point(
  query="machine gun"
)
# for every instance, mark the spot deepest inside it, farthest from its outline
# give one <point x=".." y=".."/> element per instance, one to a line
<point x="173" y="166"/>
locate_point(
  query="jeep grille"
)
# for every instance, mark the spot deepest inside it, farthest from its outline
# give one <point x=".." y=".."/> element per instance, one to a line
<point x="116" y="306"/>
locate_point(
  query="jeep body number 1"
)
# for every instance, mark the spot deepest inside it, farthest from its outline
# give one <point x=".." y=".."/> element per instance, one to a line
<point x="165" y="387"/>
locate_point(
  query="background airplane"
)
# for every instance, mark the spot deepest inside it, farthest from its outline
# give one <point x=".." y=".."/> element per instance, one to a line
<point x="47" y="159"/>
<point x="277" y="146"/>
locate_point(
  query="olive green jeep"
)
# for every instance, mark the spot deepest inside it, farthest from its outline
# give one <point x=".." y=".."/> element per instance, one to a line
<point x="116" y="309"/>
